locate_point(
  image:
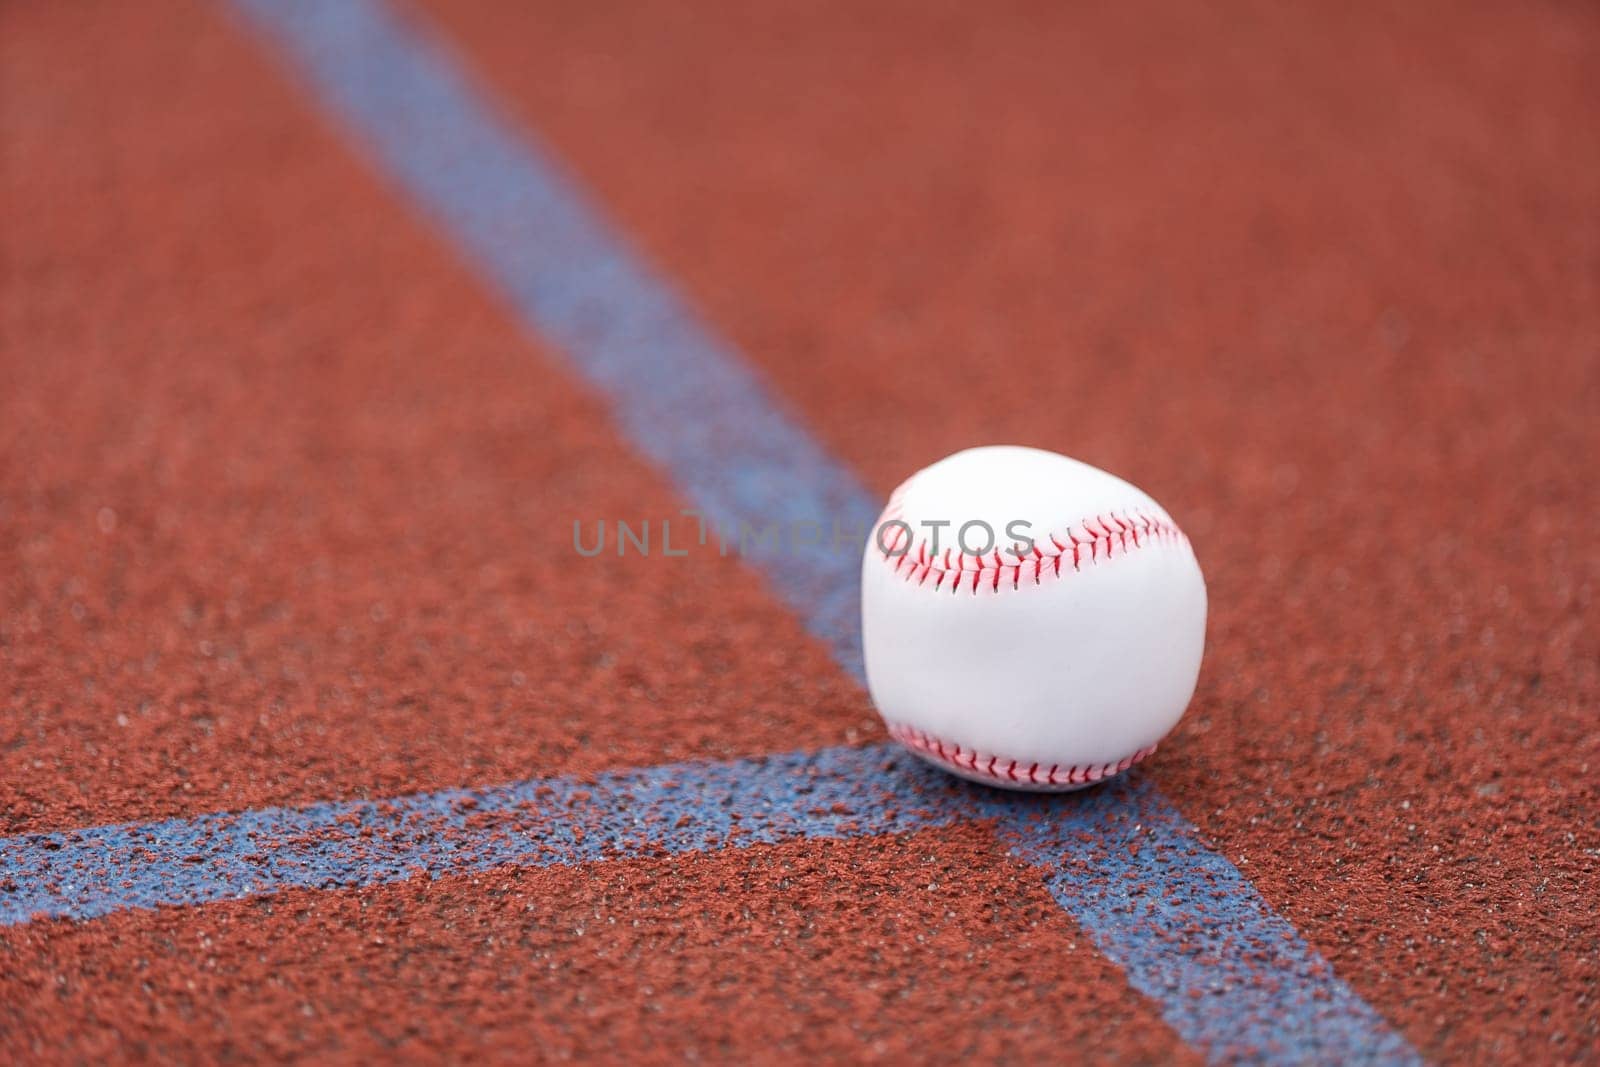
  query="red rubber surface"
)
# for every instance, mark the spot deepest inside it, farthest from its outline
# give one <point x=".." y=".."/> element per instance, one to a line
<point x="285" y="503"/>
<point x="1325" y="285"/>
<point x="288" y="500"/>
<point x="928" y="946"/>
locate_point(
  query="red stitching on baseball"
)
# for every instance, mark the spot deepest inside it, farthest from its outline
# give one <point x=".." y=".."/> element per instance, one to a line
<point x="1100" y="535"/>
<point x="1005" y="770"/>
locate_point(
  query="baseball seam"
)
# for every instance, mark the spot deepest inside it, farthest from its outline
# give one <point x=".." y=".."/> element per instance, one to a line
<point x="1005" y="771"/>
<point x="1094" y="540"/>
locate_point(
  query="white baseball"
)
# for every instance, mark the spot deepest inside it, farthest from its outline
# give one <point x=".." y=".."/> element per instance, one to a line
<point x="1045" y="667"/>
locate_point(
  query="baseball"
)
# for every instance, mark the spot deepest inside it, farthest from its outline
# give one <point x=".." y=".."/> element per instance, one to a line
<point x="1029" y="621"/>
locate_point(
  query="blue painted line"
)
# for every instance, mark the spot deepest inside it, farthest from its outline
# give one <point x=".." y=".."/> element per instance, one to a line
<point x="1118" y="858"/>
<point x="1191" y="932"/>
<point x="670" y="809"/>
<point x="683" y="397"/>
<point x="1231" y="975"/>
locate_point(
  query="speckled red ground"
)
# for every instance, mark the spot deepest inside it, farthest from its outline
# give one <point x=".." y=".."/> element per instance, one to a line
<point x="285" y="498"/>
<point x="879" y="949"/>
<point x="288" y="501"/>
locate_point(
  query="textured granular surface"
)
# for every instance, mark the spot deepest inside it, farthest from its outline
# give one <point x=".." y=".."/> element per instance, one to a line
<point x="1324" y="283"/>
<point x="286" y="501"/>
<point x="288" y="504"/>
<point x="920" y="946"/>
